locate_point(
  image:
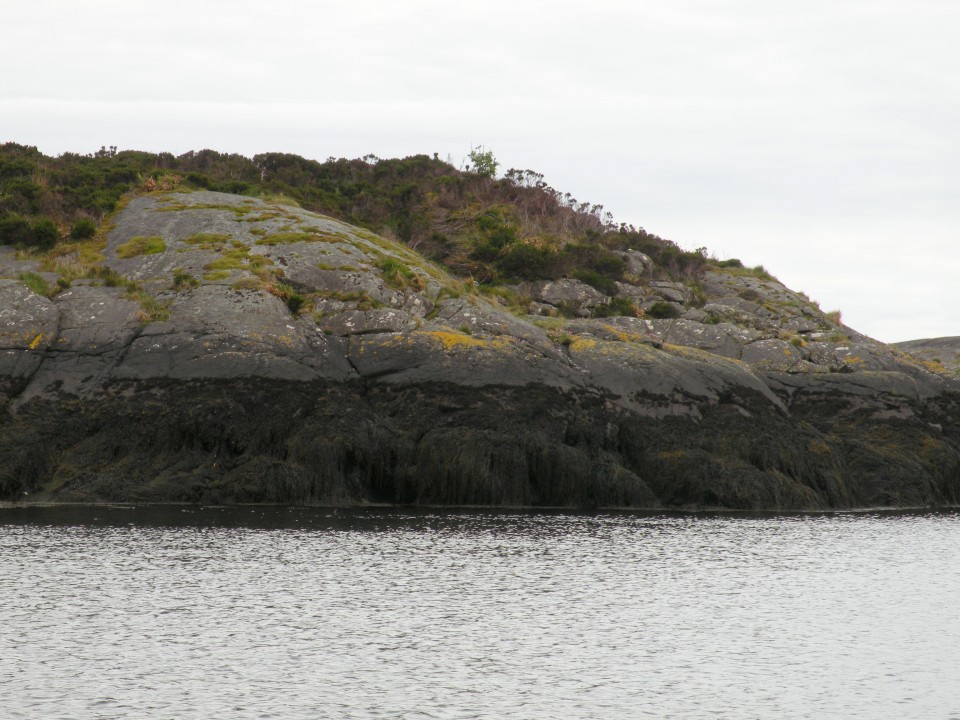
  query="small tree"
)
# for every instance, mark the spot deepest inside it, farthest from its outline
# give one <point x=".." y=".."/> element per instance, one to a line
<point x="483" y="163"/>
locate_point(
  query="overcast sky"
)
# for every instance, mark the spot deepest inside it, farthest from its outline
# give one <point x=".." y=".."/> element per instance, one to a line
<point x="818" y="138"/>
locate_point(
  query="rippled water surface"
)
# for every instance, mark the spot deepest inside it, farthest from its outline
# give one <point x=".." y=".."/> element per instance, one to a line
<point x="266" y="613"/>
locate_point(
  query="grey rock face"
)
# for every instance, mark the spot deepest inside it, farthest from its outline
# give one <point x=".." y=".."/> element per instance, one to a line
<point x="944" y="351"/>
<point x="258" y="352"/>
<point x="575" y="296"/>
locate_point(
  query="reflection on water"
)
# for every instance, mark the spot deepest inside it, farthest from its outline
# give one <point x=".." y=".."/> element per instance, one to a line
<point x="299" y="613"/>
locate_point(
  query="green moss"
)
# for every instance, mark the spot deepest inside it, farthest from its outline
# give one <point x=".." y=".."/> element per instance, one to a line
<point x="37" y="284"/>
<point x="517" y="304"/>
<point x="208" y="240"/>
<point x="238" y="258"/>
<point x="110" y="278"/>
<point x="294" y="299"/>
<point x="182" y="280"/>
<point x="153" y="310"/>
<point x="238" y="210"/>
<point x="397" y="275"/>
<point x="279" y="199"/>
<point x="141" y="245"/>
<point x="215" y="275"/>
<point x="283" y="238"/>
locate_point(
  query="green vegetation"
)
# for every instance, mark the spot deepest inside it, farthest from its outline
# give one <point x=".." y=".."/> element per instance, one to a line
<point x="422" y="201"/>
<point x="663" y="311"/>
<point x="619" y="305"/>
<point x="399" y="276"/>
<point x="207" y="241"/>
<point x="490" y="227"/>
<point x="482" y="162"/>
<point x="141" y="245"/>
<point x="282" y="238"/>
<point x="294" y="299"/>
<point x="40" y="234"/>
<point x="82" y="229"/>
<point x="37" y="284"/>
<point x="182" y="280"/>
<point x="152" y="309"/>
<point x="735" y="267"/>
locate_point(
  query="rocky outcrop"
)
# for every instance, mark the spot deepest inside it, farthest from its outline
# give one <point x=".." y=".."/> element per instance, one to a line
<point x="938" y="354"/>
<point x="215" y="348"/>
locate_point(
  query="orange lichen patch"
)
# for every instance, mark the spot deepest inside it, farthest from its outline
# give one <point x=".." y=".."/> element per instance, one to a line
<point x="818" y="447"/>
<point x="930" y="446"/>
<point x="670" y="454"/>
<point x="451" y="340"/>
<point x="36" y="341"/>
<point x="624" y="336"/>
<point x="581" y="344"/>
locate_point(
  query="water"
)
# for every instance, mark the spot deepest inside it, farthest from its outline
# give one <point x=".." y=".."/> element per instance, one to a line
<point x="270" y="613"/>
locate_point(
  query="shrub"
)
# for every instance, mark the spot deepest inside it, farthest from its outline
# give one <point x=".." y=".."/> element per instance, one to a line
<point x="527" y="261"/>
<point x="44" y="234"/>
<point x="596" y="281"/>
<point x="14" y="231"/>
<point x="82" y="229"/>
<point x="663" y="311"/>
<point x="484" y="163"/>
<point x="619" y="305"/>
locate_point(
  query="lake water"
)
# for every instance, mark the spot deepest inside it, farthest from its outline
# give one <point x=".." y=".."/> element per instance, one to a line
<point x="298" y="613"/>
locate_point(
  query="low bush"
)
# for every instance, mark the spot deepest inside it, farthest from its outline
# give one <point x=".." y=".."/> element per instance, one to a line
<point x="82" y="229"/>
<point x="41" y="235"/>
<point x="617" y="306"/>
<point x="663" y="311"/>
<point x="14" y="230"/>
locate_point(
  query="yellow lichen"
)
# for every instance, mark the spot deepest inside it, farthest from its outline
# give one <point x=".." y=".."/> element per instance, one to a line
<point x="670" y="454"/>
<point x="36" y="341"/>
<point x="624" y="336"/>
<point x="818" y="447"/>
<point x="581" y="344"/>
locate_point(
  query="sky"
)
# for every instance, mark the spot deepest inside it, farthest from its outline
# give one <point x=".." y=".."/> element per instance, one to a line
<point x="818" y="138"/>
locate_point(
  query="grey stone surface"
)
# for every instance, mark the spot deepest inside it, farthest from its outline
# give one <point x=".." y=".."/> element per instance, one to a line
<point x="756" y="399"/>
<point x="574" y="296"/>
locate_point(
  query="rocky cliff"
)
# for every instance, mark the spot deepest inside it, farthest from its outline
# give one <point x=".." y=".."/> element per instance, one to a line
<point x="209" y="347"/>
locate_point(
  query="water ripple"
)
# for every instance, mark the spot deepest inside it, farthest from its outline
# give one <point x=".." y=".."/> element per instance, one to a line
<point x="260" y="613"/>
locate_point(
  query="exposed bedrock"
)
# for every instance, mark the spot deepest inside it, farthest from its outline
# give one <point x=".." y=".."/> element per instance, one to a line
<point x="228" y="350"/>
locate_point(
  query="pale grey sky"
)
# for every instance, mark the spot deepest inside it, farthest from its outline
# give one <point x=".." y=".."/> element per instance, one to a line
<point x="817" y="138"/>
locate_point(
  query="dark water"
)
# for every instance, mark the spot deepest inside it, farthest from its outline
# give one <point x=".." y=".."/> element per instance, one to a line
<point x="263" y="613"/>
